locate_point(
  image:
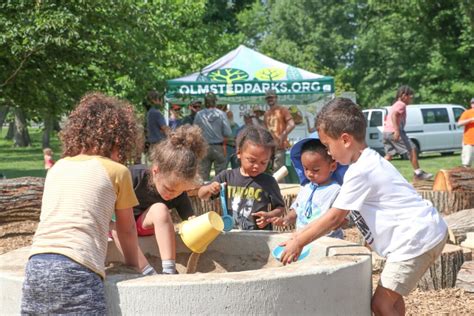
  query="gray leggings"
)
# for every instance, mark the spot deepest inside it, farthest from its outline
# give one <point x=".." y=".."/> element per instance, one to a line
<point x="55" y="284"/>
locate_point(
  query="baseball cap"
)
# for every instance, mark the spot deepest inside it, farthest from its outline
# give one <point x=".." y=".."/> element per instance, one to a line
<point x="210" y="96"/>
<point x="270" y="93"/>
<point x="472" y="100"/>
<point x="256" y="108"/>
<point x="248" y="114"/>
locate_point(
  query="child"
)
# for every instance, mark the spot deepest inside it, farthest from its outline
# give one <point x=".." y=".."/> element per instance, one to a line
<point x="318" y="194"/>
<point x="48" y="158"/>
<point x="174" y="170"/>
<point x="395" y="139"/>
<point x="250" y="192"/>
<point x="395" y="221"/>
<point x="65" y="272"/>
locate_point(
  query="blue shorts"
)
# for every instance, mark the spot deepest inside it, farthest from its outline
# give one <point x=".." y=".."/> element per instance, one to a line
<point x="55" y="284"/>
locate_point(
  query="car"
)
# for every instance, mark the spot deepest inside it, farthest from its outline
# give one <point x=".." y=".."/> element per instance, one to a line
<point x="430" y="127"/>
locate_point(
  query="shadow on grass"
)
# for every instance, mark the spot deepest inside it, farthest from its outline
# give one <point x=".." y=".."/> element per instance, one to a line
<point x="17" y="173"/>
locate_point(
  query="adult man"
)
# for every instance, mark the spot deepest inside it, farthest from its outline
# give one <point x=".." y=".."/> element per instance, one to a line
<point x="467" y="120"/>
<point x="215" y="127"/>
<point x="395" y="138"/>
<point x="155" y="121"/>
<point x="194" y="107"/>
<point x="279" y="122"/>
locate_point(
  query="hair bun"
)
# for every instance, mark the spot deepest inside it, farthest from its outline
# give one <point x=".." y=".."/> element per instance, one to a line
<point x="189" y="137"/>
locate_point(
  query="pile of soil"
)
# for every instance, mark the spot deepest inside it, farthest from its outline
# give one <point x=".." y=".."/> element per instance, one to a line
<point x="14" y="235"/>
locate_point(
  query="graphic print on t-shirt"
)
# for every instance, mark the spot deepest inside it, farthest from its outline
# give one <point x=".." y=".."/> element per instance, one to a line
<point x="362" y="226"/>
<point x="242" y="201"/>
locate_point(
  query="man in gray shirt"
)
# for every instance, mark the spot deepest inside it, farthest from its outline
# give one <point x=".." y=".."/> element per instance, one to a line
<point x="215" y="127"/>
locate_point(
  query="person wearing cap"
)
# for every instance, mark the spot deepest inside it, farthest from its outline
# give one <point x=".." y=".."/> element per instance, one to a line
<point x="257" y="117"/>
<point x="248" y="120"/>
<point x="194" y="107"/>
<point x="156" y="126"/>
<point x="215" y="128"/>
<point x="280" y="123"/>
<point x="175" y="119"/>
<point x="467" y="120"/>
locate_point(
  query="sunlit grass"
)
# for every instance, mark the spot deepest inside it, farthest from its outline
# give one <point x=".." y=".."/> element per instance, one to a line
<point x="22" y="162"/>
<point x="25" y="162"/>
<point x="431" y="163"/>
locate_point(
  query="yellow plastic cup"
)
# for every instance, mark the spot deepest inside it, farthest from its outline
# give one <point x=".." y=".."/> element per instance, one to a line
<point x="199" y="232"/>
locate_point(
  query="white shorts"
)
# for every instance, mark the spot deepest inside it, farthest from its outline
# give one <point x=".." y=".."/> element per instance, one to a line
<point x="402" y="276"/>
<point x="467" y="156"/>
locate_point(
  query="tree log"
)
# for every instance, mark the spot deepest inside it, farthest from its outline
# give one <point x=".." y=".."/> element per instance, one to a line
<point x="455" y="179"/>
<point x="461" y="223"/>
<point x="20" y="199"/>
<point x="465" y="279"/>
<point x="448" y="202"/>
<point x="443" y="272"/>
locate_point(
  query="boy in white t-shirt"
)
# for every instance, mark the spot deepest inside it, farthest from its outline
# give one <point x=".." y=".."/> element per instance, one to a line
<point x="395" y="221"/>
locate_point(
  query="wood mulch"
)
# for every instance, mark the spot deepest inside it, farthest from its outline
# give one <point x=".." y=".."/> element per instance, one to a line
<point x="454" y="301"/>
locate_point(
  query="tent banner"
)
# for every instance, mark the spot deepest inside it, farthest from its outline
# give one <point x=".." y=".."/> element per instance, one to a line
<point x="179" y="89"/>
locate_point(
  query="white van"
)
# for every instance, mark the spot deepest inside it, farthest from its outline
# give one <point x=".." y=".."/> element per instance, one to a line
<point x="431" y="127"/>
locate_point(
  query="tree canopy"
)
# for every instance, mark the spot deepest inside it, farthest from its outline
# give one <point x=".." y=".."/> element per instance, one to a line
<point x="53" y="52"/>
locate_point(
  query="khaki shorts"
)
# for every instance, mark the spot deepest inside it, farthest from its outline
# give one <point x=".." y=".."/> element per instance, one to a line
<point x="402" y="277"/>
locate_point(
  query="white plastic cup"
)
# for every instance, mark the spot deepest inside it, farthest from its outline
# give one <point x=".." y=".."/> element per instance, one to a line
<point x="280" y="174"/>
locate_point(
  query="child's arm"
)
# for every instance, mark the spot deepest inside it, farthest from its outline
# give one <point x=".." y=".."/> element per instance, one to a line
<point x="127" y="235"/>
<point x="206" y="191"/>
<point x="287" y="220"/>
<point x="264" y="218"/>
<point x="333" y="218"/>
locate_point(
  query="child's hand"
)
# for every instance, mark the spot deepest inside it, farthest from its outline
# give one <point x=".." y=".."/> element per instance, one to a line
<point x="292" y="251"/>
<point x="262" y="219"/>
<point x="214" y="188"/>
<point x="278" y="221"/>
<point x="342" y="225"/>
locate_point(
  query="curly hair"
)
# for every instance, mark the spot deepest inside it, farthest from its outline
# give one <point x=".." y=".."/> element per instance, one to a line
<point x="339" y="116"/>
<point x="180" y="153"/>
<point x="100" y="124"/>
<point x="257" y="135"/>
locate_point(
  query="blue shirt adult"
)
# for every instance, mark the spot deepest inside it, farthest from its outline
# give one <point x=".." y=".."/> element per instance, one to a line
<point x="155" y="123"/>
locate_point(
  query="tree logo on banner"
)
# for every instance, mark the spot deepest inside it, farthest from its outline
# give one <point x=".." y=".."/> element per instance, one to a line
<point x="228" y="75"/>
<point x="270" y="74"/>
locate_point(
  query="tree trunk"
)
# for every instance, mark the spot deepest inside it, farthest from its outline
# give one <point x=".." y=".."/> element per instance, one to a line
<point x="449" y="202"/>
<point x="47" y="130"/>
<point x="20" y="199"/>
<point x="461" y="223"/>
<point x="443" y="272"/>
<point x="20" y="135"/>
<point x="3" y="114"/>
<point x="10" y="132"/>
<point x="465" y="279"/>
<point x="455" y="179"/>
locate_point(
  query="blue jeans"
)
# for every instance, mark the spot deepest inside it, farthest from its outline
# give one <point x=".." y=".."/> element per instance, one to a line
<point x="55" y="284"/>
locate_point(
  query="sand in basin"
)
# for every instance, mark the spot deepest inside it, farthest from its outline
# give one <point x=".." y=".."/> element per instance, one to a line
<point x="209" y="262"/>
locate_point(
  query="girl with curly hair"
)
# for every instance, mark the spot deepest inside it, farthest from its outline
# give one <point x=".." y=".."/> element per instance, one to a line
<point x="162" y="187"/>
<point x="65" y="271"/>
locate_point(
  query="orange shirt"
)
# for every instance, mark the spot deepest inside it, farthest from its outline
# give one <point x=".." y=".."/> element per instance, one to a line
<point x="276" y="120"/>
<point x="468" y="138"/>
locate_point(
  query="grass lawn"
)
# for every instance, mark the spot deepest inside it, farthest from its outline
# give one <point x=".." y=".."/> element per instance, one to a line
<point x="25" y="162"/>
<point x="22" y="162"/>
<point x="430" y="162"/>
